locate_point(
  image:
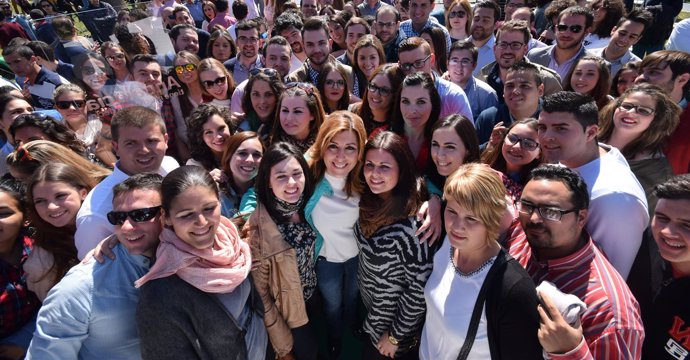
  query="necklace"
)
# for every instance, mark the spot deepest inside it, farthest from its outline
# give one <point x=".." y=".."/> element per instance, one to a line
<point x="483" y="266"/>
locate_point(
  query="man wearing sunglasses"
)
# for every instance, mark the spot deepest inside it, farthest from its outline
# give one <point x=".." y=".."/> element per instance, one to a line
<point x="618" y="205"/>
<point x="140" y="140"/>
<point x="554" y="247"/>
<point x="90" y="313"/>
<point x="571" y="28"/>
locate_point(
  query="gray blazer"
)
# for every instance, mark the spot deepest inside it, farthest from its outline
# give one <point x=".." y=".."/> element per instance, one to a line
<point x="542" y="56"/>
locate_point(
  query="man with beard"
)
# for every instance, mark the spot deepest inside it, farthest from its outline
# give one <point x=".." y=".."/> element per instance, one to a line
<point x="184" y="16"/>
<point x="183" y="37"/>
<point x="571" y="27"/>
<point x="317" y="46"/>
<point x="670" y="70"/>
<point x="509" y="49"/>
<point x="624" y="36"/>
<point x="419" y="11"/>
<point x="248" y="58"/>
<point x="554" y="248"/>
<point x="486" y="13"/>
<point x="618" y="206"/>
<point x="289" y="26"/>
<point x="387" y="26"/>
<point x="461" y="63"/>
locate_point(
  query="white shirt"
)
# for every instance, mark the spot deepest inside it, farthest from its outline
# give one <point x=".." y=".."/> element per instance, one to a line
<point x="680" y="37"/>
<point x="335" y="217"/>
<point x="593" y="41"/>
<point x="295" y="63"/>
<point x="450" y="301"/>
<point x="92" y="223"/>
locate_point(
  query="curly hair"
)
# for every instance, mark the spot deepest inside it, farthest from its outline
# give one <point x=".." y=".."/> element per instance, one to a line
<point x="198" y="150"/>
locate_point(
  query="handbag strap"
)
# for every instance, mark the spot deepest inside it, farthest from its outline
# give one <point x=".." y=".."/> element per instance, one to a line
<point x="479" y="304"/>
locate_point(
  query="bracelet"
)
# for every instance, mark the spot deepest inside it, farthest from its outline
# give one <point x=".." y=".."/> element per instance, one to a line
<point x="393" y="340"/>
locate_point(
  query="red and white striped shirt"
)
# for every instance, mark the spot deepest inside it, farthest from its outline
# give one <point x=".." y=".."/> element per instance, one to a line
<point x="611" y="325"/>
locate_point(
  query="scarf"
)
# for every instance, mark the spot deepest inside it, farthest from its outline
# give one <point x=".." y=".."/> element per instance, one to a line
<point x="286" y="209"/>
<point x="218" y="269"/>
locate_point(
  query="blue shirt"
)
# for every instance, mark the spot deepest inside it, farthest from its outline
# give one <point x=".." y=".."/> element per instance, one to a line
<point x="196" y="10"/>
<point x="90" y="313"/>
<point x="480" y="95"/>
<point x="406" y="28"/>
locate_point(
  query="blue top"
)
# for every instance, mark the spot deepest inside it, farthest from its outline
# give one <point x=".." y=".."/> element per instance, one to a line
<point x="90" y="313"/>
<point x="480" y="95"/>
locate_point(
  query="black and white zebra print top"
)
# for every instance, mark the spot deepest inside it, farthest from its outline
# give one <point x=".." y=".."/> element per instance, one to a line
<point x="393" y="269"/>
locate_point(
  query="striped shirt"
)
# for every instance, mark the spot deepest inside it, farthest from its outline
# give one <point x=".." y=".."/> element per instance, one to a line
<point x="612" y="326"/>
<point x="407" y="29"/>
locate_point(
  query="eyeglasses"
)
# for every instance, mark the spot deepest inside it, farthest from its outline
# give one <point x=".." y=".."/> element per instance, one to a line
<point x="89" y="70"/>
<point x="138" y="215"/>
<point x="64" y="105"/>
<point x="267" y="71"/>
<point x="461" y="62"/>
<point x="546" y="212"/>
<point x="383" y="91"/>
<point x="417" y="64"/>
<point x="527" y="144"/>
<point x="385" y="24"/>
<point x="335" y="83"/>
<point x="575" y="29"/>
<point x="115" y="57"/>
<point x="515" y="45"/>
<point x="641" y="110"/>
<point x="457" y="14"/>
<point x="306" y="87"/>
<point x="244" y="39"/>
<point x="217" y="82"/>
<point x="187" y="67"/>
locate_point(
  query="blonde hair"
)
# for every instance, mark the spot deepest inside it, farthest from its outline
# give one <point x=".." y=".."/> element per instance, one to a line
<point x="30" y="156"/>
<point x="336" y="123"/>
<point x="479" y="189"/>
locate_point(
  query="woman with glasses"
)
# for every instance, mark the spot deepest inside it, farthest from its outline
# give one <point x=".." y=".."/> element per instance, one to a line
<point x="459" y="20"/>
<point x="639" y="123"/>
<point x="494" y="302"/>
<point x="332" y="85"/>
<point x="185" y="71"/>
<point x="367" y="56"/>
<point x="453" y="144"/>
<point x="92" y="73"/>
<point x="55" y="193"/>
<point x="210" y="127"/>
<point x="606" y="15"/>
<point x="515" y="154"/>
<point x="299" y="116"/>
<point x="202" y="270"/>
<point x="590" y="75"/>
<point x="70" y="102"/>
<point x="221" y="46"/>
<point x="260" y="101"/>
<point x="378" y="102"/>
<point x="216" y="81"/>
<point x="117" y="60"/>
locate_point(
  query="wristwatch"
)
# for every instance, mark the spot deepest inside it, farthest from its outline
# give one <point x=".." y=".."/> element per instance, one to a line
<point x="393" y="340"/>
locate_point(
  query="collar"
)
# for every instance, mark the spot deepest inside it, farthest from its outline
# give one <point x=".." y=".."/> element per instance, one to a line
<point x="257" y="63"/>
<point x="577" y="260"/>
<point x="552" y="53"/>
<point x="471" y="84"/>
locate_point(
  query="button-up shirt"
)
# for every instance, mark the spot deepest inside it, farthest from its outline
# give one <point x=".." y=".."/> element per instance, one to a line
<point x="485" y="54"/>
<point x="240" y="73"/>
<point x="91" y="312"/>
<point x="564" y="68"/>
<point x="617" y="64"/>
<point x="367" y="10"/>
<point x="611" y="325"/>
<point x="480" y="95"/>
<point x="407" y="29"/>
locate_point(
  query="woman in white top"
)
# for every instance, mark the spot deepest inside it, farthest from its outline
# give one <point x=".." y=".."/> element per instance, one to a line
<point x="216" y="81"/>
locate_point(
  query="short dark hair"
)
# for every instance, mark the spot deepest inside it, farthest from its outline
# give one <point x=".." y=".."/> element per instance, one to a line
<point x="222" y="5"/>
<point x="42" y="49"/>
<point x="287" y="20"/>
<point x="178" y="9"/>
<point x="177" y="29"/>
<point x="145" y="181"/>
<point x="316" y="24"/>
<point x="578" y="10"/>
<point x="527" y="67"/>
<point x="489" y="4"/>
<point x="63" y="26"/>
<point x="640" y="16"/>
<point x="276" y="40"/>
<point x="390" y="9"/>
<point x="465" y="45"/>
<point x="412" y="43"/>
<point x="137" y="116"/>
<point x="145" y="58"/>
<point x="245" y="25"/>
<point x="516" y="26"/>
<point x="583" y="107"/>
<point x="358" y="21"/>
<point x="574" y="182"/>
<point x="556" y="7"/>
<point x="675" y="188"/>
<point x="240" y="10"/>
<point x="21" y="50"/>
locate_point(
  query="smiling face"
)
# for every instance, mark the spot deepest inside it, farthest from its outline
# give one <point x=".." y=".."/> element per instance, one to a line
<point x="625" y="80"/>
<point x="629" y="121"/>
<point x="460" y="66"/>
<point x="340" y="155"/>
<point x="336" y="31"/>
<point x="354" y="33"/>
<point x="221" y="49"/>
<point x="116" y="58"/>
<point x="287" y="180"/>
<point x="465" y="230"/>
<point x="447" y="150"/>
<point x="248" y="42"/>
<point x="141" y="149"/>
<point x="520" y="91"/>
<point x="381" y="171"/>
<point x="215" y="133"/>
<point x="295" y="117"/>
<point x="187" y="77"/>
<point x="94" y="74"/>
<point x="415" y="106"/>
<point x="334" y="86"/>
<point x="244" y="163"/>
<point x="294" y="38"/>
<point x="585" y="77"/>
<point x="671" y="230"/>
<point x="376" y="100"/>
<point x="508" y="57"/>
<point x="13" y="109"/>
<point x="263" y="100"/>
<point x="139" y="238"/>
<point x="515" y="154"/>
<point x="57" y="203"/>
<point x="368" y="60"/>
<point x="73" y="113"/>
<point x="420" y="10"/>
<point x="194" y="216"/>
<point x="568" y="39"/>
<point x="626" y="35"/>
<point x="218" y="90"/>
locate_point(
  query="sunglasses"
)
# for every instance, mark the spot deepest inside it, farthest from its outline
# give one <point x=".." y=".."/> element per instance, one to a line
<point x="64" y="105"/>
<point x="21" y="154"/>
<point x="457" y="14"/>
<point x="182" y="68"/>
<point x="306" y="87"/>
<point x="575" y="29"/>
<point x="115" y="57"/>
<point x="527" y="144"/>
<point x="217" y="82"/>
<point x="88" y="70"/>
<point x="641" y="110"/>
<point x="266" y="71"/>
<point x="138" y="215"/>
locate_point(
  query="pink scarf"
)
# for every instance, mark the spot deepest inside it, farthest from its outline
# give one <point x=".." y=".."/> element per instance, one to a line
<point x="218" y="269"/>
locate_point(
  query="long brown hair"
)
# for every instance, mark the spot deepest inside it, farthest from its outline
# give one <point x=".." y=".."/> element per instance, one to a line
<point x="395" y="76"/>
<point x="407" y="195"/>
<point x="493" y="155"/>
<point x="600" y="93"/>
<point x="210" y="64"/>
<point x="234" y="143"/>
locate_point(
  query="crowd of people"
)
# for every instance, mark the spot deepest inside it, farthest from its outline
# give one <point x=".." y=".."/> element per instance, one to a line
<point x="250" y="180"/>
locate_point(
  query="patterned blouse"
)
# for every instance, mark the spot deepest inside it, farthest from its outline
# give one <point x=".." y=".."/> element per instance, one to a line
<point x="302" y="237"/>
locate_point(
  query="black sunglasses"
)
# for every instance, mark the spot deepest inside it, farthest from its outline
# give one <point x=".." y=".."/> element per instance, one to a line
<point x="575" y="29"/>
<point x="217" y="82"/>
<point x="267" y="71"/>
<point x="64" y="105"/>
<point x="306" y="87"/>
<point x="138" y="215"/>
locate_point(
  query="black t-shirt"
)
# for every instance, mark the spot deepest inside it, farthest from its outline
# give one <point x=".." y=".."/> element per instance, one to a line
<point x="667" y="324"/>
